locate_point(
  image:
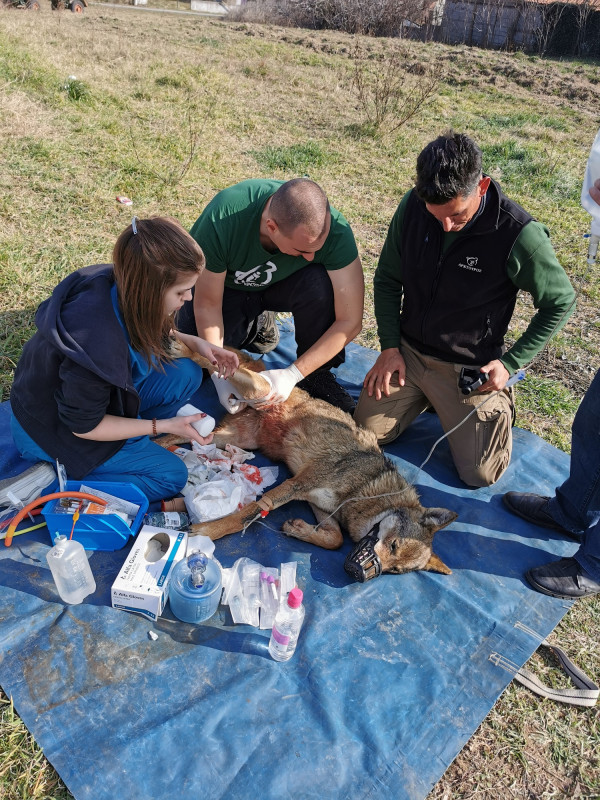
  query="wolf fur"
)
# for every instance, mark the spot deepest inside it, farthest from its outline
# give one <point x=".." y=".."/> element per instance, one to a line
<point x="337" y="467"/>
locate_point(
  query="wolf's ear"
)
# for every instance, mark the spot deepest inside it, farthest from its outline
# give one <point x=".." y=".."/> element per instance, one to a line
<point x="435" y="564"/>
<point x="437" y="518"/>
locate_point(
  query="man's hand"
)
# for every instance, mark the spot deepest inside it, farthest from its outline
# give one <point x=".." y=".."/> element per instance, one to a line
<point x="282" y="381"/>
<point x="378" y="377"/>
<point x="595" y="191"/>
<point x="498" y="375"/>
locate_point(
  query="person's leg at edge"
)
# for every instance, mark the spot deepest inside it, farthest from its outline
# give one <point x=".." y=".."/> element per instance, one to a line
<point x="588" y="555"/>
<point x="481" y="447"/>
<point x="571" y="577"/>
<point x="576" y="505"/>
<point x="390" y="416"/>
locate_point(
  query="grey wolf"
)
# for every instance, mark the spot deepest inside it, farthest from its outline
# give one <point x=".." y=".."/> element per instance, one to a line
<point x="338" y="468"/>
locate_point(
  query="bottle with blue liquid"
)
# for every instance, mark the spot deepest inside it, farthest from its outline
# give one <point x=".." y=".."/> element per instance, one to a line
<point x="195" y="588"/>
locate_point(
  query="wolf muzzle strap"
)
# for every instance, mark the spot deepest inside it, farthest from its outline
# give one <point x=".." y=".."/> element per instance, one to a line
<point x="362" y="562"/>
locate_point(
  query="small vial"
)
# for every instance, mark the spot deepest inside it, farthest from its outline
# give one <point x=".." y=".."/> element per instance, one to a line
<point x="204" y="426"/>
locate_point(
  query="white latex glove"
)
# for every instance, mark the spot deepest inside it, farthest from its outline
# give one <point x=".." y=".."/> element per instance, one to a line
<point x="282" y="381"/>
<point x="228" y="398"/>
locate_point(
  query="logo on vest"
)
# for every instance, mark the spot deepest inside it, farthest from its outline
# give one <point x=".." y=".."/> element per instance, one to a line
<point x="471" y="264"/>
<point x="257" y="276"/>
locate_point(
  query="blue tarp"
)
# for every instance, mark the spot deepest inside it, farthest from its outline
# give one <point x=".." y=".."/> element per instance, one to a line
<point x="389" y="681"/>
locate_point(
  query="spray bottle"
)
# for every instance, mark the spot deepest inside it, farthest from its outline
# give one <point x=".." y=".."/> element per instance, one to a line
<point x="592" y="173"/>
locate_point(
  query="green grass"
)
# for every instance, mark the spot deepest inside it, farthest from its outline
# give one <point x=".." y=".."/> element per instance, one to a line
<point x="168" y="110"/>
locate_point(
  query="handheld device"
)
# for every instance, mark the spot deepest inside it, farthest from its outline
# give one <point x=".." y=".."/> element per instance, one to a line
<point x="471" y="379"/>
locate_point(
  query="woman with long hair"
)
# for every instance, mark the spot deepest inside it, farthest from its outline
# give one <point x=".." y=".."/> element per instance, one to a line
<point x="97" y="380"/>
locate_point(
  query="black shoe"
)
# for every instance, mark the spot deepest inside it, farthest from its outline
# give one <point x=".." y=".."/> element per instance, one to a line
<point x="323" y="385"/>
<point x="266" y="337"/>
<point x="533" y="508"/>
<point x="565" y="578"/>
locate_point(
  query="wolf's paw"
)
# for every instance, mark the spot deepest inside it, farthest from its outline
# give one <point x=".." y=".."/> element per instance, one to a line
<point x="327" y="535"/>
<point x="299" y="529"/>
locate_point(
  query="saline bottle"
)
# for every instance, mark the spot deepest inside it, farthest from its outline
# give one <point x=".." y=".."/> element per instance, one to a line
<point x="286" y="627"/>
<point x="71" y="570"/>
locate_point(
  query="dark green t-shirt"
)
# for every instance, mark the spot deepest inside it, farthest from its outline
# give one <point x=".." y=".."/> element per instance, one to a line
<point x="228" y="232"/>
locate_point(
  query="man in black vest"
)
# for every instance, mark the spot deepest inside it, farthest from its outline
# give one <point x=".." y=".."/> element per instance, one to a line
<point x="456" y="254"/>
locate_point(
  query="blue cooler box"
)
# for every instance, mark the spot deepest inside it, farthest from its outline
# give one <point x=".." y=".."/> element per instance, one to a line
<point x="97" y="531"/>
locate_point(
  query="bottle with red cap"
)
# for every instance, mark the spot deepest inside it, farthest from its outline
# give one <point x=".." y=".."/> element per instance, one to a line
<point x="286" y="627"/>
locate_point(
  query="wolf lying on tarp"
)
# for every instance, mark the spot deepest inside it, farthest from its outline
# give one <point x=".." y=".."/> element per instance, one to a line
<point x="339" y="469"/>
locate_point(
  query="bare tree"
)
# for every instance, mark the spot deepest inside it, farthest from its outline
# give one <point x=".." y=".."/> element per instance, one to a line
<point x="391" y="90"/>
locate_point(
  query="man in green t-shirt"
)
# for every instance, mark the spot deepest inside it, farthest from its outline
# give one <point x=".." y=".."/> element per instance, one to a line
<point x="456" y="254"/>
<point x="272" y="246"/>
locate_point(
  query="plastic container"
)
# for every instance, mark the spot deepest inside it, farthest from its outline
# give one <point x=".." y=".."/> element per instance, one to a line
<point x="286" y="628"/>
<point x="97" y="531"/>
<point x="204" y="426"/>
<point x="195" y="588"/>
<point x="592" y="173"/>
<point x="71" y="570"/>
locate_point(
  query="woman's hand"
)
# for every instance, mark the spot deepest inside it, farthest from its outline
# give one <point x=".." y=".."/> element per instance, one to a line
<point x="225" y="361"/>
<point x="182" y="426"/>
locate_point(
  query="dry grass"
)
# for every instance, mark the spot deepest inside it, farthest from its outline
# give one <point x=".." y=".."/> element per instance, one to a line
<point x="170" y="109"/>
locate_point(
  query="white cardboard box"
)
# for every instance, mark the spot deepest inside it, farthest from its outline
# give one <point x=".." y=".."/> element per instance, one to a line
<point x="142" y="583"/>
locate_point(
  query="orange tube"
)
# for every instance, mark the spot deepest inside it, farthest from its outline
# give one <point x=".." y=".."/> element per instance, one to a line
<point x="38" y="501"/>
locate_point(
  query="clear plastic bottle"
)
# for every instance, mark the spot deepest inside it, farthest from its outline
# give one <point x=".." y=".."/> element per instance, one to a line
<point x="592" y="173"/>
<point x="286" y="628"/>
<point x="171" y="520"/>
<point x="71" y="570"/>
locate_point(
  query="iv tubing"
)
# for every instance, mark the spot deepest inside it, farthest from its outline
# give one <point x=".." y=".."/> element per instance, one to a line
<point x="38" y="501"/>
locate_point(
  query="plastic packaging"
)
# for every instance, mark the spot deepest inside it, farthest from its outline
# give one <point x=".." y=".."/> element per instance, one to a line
<point x="286" y="628"/>
<point x="204" y="426"/>
<point x="70" y="569"/>
<point x="592" y="173"/>
<point x="195" y="588"/>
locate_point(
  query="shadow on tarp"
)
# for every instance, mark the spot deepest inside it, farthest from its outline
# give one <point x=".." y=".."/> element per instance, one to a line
<point x="390" y="680"/>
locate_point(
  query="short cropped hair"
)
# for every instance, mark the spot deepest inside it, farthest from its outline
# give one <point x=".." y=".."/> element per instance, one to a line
<point x="299" y="202"/>
<point x="145" y="265"/>
<point x="447" y="168"/>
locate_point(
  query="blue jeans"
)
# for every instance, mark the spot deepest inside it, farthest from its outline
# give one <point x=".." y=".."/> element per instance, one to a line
<point x="157" y="472"/>
<point x="576" y="505"/>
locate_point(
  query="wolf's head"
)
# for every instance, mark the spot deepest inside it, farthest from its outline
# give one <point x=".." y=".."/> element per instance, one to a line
<point x="400" y="542"/>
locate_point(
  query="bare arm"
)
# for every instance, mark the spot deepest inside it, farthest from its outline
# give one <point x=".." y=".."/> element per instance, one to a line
<point x="208" y="306"/>
<point x="595" y="191"/>
<point x="348" y="292"/>
<point x="114" y="429"/>
<point x="225" y="361"/>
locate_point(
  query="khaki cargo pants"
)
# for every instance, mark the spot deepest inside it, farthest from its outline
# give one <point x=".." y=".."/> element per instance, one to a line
<point x="481" y="447"/>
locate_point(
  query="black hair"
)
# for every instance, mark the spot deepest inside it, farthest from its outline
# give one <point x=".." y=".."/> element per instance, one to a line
<point x="447" y="168"/>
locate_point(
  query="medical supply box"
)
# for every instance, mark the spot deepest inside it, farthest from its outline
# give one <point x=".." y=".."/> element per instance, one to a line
<point x="142" y="583"/>
<point x="94" y="528"/>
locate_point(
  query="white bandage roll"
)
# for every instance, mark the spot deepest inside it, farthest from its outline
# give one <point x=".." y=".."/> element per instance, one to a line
<point x="204" y="426"/>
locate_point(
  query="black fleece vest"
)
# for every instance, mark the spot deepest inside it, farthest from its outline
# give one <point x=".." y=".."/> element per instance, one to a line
<point x="457" y="305"/>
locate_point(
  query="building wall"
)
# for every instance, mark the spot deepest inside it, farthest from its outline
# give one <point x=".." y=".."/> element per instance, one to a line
<point x="490" y="23"/>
